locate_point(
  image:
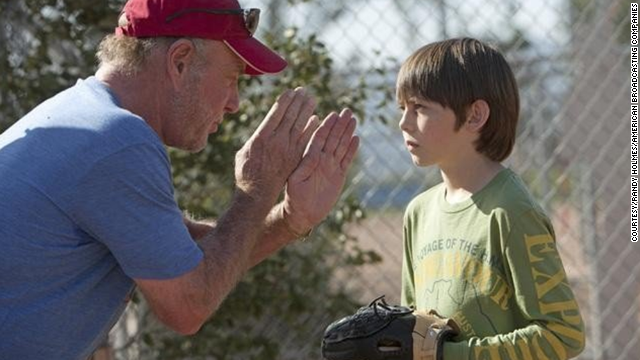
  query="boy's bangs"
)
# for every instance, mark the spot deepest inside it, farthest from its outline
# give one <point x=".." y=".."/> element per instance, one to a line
<point x="406" y="86"/>
<point x="418" y="78"/>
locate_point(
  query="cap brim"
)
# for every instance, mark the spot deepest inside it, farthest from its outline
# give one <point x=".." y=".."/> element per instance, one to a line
<point x="259" y="58"/>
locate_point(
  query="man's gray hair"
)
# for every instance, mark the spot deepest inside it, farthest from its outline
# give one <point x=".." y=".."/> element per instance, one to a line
<point x="128" y="55"/>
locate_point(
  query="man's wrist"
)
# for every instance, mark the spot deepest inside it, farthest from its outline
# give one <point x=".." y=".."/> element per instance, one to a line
<point x="298" y="231"/>
<point x="254" y="207"/>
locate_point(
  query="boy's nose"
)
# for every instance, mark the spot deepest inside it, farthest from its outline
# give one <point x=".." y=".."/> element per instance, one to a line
<point x="404" y="122"/>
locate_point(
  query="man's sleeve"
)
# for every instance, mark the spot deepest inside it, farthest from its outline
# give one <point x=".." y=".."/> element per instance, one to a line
<point x="543" y="295"/>
<point x="126" y="202"/>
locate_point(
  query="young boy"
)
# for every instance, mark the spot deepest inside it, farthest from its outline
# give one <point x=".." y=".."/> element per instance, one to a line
<point x="477" y="247"/>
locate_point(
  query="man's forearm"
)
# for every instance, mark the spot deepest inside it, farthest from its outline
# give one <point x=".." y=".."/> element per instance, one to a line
<point x="273" y="236"/>
<point x="228" y="245"/>
<point x="276" y="234"/>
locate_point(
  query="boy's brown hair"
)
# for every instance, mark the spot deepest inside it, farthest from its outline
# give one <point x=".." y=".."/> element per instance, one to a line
<point x="457" y="72"/>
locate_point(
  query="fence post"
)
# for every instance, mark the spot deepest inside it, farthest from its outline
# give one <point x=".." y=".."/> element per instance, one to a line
<point x="589" y="232"/>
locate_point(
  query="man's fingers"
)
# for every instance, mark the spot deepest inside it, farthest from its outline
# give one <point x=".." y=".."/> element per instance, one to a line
<point x="319" y="138"/>
<point x="309" y="130"/>
<point x="345" y="139"/>
<point x="308" y="164"/>
<point x="336" y="132"/>
<point x="318" y="133"/>
<point x="276" y="113"/>
<point x="351" y="152"/>
<point x="293" y="112"/>
<point x="302" y="122"/>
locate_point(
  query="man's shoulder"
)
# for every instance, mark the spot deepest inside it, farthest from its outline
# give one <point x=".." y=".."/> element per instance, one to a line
<point x="102" y="114"/>
<point x="69" y="134"/>
<point x="85" y="119"/>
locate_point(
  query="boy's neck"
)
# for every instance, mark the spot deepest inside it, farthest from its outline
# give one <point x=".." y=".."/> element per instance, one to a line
<point x="467" y="177"/>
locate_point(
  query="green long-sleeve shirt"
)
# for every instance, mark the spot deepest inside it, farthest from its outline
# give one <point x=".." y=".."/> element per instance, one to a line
<point x="491" y="264"/>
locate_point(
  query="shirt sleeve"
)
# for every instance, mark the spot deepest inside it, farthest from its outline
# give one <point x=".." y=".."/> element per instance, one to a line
<point x="554" y="329"/>
<point x="126" y="201"/>
<point x="407" y="297"/>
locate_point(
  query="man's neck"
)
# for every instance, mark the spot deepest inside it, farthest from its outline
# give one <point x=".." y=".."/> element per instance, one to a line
<point x="468" y="176"/>
<point x="138" y="93"/>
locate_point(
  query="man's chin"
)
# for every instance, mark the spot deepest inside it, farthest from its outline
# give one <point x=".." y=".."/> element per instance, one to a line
<point x="193" y="147"/>
<point x="198" y="148"/>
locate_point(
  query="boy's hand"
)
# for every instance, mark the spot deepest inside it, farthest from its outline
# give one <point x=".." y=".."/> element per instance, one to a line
<point x="383" y="332"/>
<point x="313" y="188"/>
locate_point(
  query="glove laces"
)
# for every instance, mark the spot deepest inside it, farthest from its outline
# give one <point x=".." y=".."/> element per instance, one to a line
<point x="379" y="302"/>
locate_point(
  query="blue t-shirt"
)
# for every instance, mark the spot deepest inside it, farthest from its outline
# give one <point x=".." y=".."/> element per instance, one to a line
<point x="86" y="204"/>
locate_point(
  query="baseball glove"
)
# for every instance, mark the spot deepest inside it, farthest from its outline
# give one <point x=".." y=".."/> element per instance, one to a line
<point x="387" y="332"/>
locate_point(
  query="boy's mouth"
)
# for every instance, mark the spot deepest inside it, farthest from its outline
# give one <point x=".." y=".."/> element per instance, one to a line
<point x="411" y="144"/>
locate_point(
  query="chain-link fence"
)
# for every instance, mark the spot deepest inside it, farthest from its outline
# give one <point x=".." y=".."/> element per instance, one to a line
<point x="571" y="60"/>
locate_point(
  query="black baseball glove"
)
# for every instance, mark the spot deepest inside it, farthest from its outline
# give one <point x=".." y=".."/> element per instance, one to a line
<point x="387" y="332"/>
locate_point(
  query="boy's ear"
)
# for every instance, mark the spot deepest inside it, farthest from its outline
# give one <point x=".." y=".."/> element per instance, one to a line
<point x="477" y="115"/>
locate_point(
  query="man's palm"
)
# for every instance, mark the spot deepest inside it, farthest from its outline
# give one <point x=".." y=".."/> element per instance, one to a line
<point x="313" y="188"/>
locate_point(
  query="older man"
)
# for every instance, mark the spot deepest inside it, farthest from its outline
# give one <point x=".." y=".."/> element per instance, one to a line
<point x="88" y="209"/>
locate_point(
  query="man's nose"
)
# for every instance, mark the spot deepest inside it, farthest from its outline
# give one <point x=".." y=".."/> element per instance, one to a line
<point x="233" y="103"/>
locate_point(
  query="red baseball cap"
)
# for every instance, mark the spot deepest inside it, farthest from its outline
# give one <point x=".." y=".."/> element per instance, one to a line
<point x="221" y="20"/>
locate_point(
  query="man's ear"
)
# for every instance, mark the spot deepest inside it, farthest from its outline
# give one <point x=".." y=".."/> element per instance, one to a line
<point x="477" y="115"/>
<point x="180" y="58"/>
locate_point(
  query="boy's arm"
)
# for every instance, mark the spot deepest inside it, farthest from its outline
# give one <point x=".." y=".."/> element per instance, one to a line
<point x="543" y="296"/>
<point x="407" y="297"/>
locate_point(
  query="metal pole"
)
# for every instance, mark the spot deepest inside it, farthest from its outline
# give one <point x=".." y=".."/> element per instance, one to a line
<point x="589" y="232"/>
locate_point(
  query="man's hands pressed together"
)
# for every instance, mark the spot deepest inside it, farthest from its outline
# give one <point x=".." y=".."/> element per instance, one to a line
<point x="268" y="158"/>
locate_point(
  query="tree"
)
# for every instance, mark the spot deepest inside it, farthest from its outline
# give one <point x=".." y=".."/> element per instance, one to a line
<point x="285" y="302"/>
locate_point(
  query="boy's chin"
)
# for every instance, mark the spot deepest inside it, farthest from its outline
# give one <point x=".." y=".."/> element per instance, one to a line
<point x="421" y="162"/>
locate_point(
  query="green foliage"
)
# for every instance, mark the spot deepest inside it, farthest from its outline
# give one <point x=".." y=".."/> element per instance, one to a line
<point x="46" y="46"/>
<point x="289" y="298"/>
